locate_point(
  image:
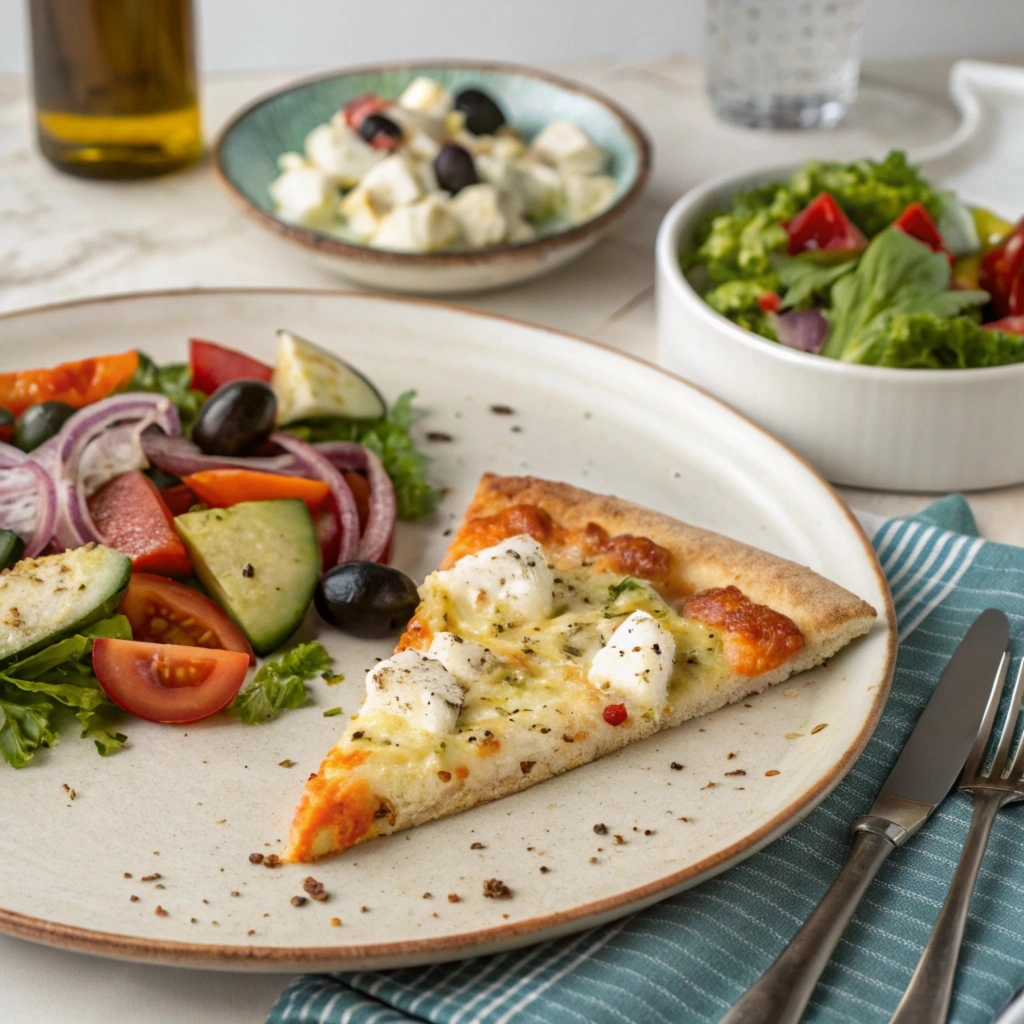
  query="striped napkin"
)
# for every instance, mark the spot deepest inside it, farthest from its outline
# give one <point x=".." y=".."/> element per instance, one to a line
<point x="690" y="957"/>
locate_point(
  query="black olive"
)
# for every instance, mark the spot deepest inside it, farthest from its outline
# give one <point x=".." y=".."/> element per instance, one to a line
<point x="6" y="419"/>
<point x="38" y="423"/>
<point x="236" y="418"/>
<point x="454" y="168"/>
<point x="366" y="598"/>
<point x="378" y="124"/>
<point x="483" y="116"/>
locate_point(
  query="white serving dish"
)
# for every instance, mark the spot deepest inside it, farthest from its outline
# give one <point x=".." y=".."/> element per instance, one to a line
<point x="863" y="426"/>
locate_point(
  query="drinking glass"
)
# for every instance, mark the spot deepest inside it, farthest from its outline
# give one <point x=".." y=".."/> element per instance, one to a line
<point x="783" y="63"/>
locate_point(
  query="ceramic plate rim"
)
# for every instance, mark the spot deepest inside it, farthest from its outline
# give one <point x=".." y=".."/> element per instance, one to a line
<point x="309" y="239"/>
<point x="285" y="958"/>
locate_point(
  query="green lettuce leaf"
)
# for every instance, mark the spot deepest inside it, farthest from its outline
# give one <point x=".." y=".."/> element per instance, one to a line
<point x="391" y="440"/>
<point x="34" y="689"/>
<point x="897" y="274"/>
<point x="280" y="684"/>
<point x="173" y="381"/>
<point x="25" y="726"/>
<point x="807" y="280"/>
<point x="925" y="341"/>
<point x="872" y="193"/>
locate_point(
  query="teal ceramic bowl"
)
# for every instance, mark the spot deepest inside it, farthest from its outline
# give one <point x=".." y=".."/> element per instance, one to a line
<point x="245" y="157"/>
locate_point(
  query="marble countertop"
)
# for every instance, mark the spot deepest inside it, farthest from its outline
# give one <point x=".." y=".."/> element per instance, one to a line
<point x="62" y="238"/>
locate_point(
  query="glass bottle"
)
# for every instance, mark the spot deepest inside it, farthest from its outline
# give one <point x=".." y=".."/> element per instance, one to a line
<point x="115" y="86"/>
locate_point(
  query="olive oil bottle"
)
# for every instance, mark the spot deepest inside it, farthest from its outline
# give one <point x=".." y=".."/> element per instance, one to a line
<point x="115" y="85"/>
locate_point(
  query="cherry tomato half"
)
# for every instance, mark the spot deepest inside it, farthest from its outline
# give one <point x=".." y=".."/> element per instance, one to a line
<point x="162" y="611"/>
<point x="821" y="226"/>
<point x="165" y="682"/>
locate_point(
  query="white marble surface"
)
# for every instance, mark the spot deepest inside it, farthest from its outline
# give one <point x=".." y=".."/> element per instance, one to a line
<point x="61" y="238"/>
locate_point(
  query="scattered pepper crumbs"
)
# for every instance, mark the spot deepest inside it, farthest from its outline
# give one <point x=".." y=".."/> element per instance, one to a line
<point x="150" y="878"/>
<point x="738" y="771"/>
<point x="773" y="771"/>
<point x="271" y="860"/>
<point x="676" y="766"/>
<point x="601" y="829"/>
<point x="255" y="858"/>
<point x="453" y="897"/>
<point x="496" y="889"/>
<point x="134" y="899"/>
<point x="544" y="869"/>
<point x="619" y="841"/>
<point x="70" y="792"/>
<point x="710" y="785"/>
<point x="477" y="846"/>
<point x="298" y="901"/>
<point x="160" y="912"/>
<point x="286" y="763"/>
<point x="314" y="888"/>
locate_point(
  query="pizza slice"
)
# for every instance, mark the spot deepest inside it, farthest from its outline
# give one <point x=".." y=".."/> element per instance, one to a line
<point x="561" y="626"/>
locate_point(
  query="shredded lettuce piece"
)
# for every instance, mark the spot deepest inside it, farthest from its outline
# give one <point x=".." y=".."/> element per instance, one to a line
<point x="280" y="684"/>
<point x="34" y="690"/>
<point x="926" y="341"/>
<point x="389" y="438"/>
<point x="806" y="279"/>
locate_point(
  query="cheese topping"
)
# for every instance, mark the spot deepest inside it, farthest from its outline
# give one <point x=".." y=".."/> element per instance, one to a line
<point x="418" y="688"/>
<point x="637" y="662"/>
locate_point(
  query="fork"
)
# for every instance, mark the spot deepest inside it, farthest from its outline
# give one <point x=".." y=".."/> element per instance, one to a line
<point x="927" y="998"/>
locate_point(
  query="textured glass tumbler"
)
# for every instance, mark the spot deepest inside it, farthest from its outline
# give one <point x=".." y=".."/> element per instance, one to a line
<point x="783" y="63"/>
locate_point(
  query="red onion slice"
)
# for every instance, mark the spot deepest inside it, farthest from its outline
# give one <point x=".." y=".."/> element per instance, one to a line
<point x="61" y="457"/>
<point x="317" y="467"/>
<point x="28" y="500"/>
<point x="380" y="522"/>
<point x="180" y="458"/>
<point x="804" y="329"/>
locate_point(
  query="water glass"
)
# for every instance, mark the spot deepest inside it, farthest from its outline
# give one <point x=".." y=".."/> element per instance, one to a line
<point x="783" y="63"/>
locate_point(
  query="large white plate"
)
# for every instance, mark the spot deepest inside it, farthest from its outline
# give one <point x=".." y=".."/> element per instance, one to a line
<point x="193" y="802"/>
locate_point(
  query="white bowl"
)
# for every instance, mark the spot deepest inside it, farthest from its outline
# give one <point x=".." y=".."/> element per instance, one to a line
<point x="864" y="426"/>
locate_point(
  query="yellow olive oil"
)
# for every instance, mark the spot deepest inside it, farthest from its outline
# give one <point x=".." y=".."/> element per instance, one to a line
<point x="115" y="86"/>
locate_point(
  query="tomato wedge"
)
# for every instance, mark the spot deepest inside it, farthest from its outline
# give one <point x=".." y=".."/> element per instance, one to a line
<point x="220" y="488"/>
<point x="132" y="518"/>
<point x="213" y="365"/>
<point x="917" y="222"/>
<point x="821" y="226"/>
<point x="78" y="384"/>
<point x="164" y="611"/>
<point x="1008" y="324"/>
<point x="165" y="682"/>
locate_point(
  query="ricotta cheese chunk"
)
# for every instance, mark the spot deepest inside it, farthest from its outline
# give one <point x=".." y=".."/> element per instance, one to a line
<point x="422" y="227"/>
<point x="569" y="148"/>
<point x="304" y="195"/>
<point x="393" y="182"/>
<point x="341" y="153"/>
<point x="427" y="96"/>
<point x="511" y="580"/>
<point x="418" y="688"/>
<point x="480" y="215"/>
<point x="636" y="663"/>
<point x="465" y="660"/>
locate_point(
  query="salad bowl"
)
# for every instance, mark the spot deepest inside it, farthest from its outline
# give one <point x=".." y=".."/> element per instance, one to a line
<point x="247" y="151"/>
<point x="860" y="425"/>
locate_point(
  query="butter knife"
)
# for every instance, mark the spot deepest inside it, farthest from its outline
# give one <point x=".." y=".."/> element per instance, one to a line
<point x="924" y="773"/>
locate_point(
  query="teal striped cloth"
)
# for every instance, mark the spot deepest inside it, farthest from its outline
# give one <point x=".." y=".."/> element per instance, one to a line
<point x="690" y="957"/>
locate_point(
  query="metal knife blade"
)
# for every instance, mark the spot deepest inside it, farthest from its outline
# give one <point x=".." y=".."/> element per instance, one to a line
<point x="935" y="752"/>
<point x="928" y="766"/>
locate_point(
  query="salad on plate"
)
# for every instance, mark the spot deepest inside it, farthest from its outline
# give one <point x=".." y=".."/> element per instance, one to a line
<point x="433" y="171"/>
<point x="162" y="526"/>
<point x="869" y="263"/>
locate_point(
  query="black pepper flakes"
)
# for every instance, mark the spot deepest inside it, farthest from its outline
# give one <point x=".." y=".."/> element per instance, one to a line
<point x="526" y="766"/>
<point x="314" y="888"/>
<point x="739" y="771"/>
<point x="601" y="829"/>
<point x="439" y="435"/>
<point x="134" y="899"/>
<point x="150" y="878"/>
<point x="255" y="858"/>
<point x="477" y="846"/>
<point x="544" y="869"/>
<point x="676" y="766"/>
<point x="496" y="889"/>
<point x="248" y="571"/>
<point x="502" y="410"/>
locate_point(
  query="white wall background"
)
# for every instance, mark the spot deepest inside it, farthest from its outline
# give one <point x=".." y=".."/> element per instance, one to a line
<point x="238" y="35"/>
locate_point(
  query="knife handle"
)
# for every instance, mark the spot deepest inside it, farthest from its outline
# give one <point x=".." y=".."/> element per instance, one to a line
<point x="780" y="995"/>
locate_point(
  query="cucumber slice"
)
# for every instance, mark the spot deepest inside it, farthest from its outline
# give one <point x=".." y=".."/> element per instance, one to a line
<point x="310" y="383"/>
<point x="45" y="599"/>
<point x="11" y="548"/>
<point x="259" y="560"/>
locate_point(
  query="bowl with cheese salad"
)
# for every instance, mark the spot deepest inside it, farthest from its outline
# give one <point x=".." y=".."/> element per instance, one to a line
<point x="867" y="315"/>
<point x="435" y="178"/>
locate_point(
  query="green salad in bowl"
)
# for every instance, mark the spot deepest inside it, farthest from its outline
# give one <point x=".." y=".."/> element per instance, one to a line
<point x="866" y="262"/>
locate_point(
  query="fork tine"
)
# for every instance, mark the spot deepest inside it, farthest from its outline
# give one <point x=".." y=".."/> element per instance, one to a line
<point x="977" y="754"/>
<point x="1009" y="726"/>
